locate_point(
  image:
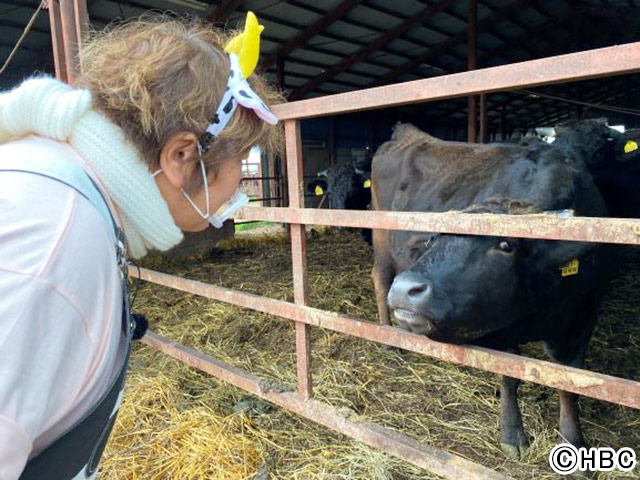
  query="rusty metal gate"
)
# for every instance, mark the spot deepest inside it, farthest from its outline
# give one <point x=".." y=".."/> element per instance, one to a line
<point x="565" y="68"/>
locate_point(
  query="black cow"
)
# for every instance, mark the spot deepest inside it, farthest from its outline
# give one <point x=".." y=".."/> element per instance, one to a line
<point x="347" y="186"/>
<point x="487" y="291"/>
<point x="613" y="158"/>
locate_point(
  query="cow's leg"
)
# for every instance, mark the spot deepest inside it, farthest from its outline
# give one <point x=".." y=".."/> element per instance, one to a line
<point x="382" y="274"/>
<point x="570" y="351"/>
<point x="512" y="437"/>
<point x="569" y="410"/>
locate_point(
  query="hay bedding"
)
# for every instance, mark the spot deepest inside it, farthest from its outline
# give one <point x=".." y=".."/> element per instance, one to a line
<point x="177" y="423"/>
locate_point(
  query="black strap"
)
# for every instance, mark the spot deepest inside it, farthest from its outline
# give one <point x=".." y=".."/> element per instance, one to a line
<point x="81" y="447"/>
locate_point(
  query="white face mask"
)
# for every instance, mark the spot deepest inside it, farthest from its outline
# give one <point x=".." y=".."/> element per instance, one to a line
<point x="234" y="203"/>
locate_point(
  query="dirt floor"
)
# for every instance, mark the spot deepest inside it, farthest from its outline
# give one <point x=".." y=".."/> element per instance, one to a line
<point x="177" y="423"/>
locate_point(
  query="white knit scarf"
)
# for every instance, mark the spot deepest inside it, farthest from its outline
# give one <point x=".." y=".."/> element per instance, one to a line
<point x="50" y="108"/>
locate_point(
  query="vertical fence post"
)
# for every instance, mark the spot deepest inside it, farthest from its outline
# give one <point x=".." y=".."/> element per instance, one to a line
<point x="56" y="40"/>
<point x="82" y="21"/>
<point x="69" y="38"/>
<point x="69" y="23"/>
<point x="298" y="254"/>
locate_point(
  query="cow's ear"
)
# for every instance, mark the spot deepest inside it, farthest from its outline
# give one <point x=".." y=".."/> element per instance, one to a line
<point x="552" y="254"/>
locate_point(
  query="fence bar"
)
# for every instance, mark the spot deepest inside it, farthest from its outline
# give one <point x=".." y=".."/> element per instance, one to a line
<point x="248" y="179"/>
<point x="59" y="59"/>
<point x="81" y="21"/>
<point x="440" y="462"/>
<point x="541" y="226"/>
<point x="583" y="382"/>
<point x="299" y="255"/>
<point x="601" y="62"/>
<point x="264" y="199"/>
<point x="70" y="38"/>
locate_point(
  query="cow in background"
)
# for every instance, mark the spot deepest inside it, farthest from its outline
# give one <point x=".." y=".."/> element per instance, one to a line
<point x="493" y="292"/>
<point x="347" y="186"/>
<point x="613" y="158"/>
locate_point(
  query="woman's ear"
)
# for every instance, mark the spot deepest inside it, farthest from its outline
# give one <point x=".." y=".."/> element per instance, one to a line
<point x="177" y="158"/>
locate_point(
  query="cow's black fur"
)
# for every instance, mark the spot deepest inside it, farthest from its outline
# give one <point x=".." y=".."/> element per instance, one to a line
<point x="489" y="291"/>
<point x="615" y="171"/>
<point x="345" y="186"/>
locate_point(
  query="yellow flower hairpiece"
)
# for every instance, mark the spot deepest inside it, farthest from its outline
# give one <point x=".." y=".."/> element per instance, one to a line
<point x="247" y="45"/>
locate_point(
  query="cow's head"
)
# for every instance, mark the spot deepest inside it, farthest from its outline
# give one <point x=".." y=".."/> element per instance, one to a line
<point x="461" y="288"/>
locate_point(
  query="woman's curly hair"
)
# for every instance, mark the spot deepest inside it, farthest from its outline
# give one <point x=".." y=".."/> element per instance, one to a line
<point x="157" y="75"/>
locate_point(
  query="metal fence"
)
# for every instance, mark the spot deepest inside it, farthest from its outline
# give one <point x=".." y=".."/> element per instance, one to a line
<point x="578" y="66"/>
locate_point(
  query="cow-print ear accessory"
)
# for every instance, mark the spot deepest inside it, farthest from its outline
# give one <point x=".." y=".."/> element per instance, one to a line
<point x="237" y="92"/>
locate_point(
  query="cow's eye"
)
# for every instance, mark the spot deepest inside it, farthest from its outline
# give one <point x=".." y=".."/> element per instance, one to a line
<point x="506" y="246"/>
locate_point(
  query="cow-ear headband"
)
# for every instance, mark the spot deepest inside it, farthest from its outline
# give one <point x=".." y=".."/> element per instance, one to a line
<point x="243" y="50"/>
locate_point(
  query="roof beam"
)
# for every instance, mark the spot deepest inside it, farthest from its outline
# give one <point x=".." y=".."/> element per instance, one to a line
<point x="342" y="9"/>
<point x="565" y="45"/>
<point x="526" y="37"/>
<point x="333" y="38"/>
<point x="223" y="10"/>
<point x="398" y="17"/>
<point x="460" y="37"/>
<point x="20" y="26"/>
<point x="498" y="35"/>
<point x="602" y="96"/>
<point x="372" y="47"/>
<point x="433" y="28"/>
<point x="10" y="46"/>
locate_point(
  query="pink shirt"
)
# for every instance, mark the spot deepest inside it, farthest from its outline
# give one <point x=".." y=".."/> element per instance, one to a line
<point x="60" y="306"/>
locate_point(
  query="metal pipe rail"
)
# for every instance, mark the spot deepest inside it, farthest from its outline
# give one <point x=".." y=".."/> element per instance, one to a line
<point x="572" y="67"/>
<point x="435" y="460"/>
<point x="583" y="382"/>
<point x="565" y="68"/>
<point x="541" y="226"/>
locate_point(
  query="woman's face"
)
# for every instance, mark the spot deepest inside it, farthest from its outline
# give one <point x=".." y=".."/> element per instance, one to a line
<point x="179" y="160"/>
<point x="221" y="187"/>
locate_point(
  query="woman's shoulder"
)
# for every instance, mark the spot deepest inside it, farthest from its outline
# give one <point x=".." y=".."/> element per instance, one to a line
<point x="41" y="218"/>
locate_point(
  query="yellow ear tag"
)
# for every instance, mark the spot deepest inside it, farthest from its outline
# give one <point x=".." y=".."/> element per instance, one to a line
<point x="570" y="268"/>
<point x="367" y="183"/>
<point x="247" y="45"/>
<point x="319" y="190"/>
<point x="630" y="146"/>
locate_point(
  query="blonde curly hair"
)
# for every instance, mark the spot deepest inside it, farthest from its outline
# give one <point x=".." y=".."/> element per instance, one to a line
<point x="158" y="75"/>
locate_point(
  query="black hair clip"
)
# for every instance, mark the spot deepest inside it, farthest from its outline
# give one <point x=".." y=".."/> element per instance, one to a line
<point x="205" y="141"/>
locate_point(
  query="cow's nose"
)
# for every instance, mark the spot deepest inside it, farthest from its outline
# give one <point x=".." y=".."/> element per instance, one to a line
<point x="416" y="289"/>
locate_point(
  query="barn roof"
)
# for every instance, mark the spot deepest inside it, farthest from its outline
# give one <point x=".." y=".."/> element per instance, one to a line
<point x="318" y="47"/>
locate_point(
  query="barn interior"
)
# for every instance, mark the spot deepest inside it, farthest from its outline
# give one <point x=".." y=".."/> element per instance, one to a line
<point x="178" y="423"/>
<point x="315" y="48"/>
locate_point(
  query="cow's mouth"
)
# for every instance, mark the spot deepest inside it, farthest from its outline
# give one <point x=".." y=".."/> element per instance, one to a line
<point x="413" y="322"/>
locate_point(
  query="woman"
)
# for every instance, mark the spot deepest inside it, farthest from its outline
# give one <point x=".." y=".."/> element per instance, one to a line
<point x="160" y="120"/>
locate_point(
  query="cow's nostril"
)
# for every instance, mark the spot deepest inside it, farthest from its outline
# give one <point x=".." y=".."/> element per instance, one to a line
<point x="419" y="290"/>
<point x="410" y="292"/>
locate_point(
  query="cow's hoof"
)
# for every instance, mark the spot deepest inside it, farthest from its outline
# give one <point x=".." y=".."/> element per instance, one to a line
<point x="515" y="451"/>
